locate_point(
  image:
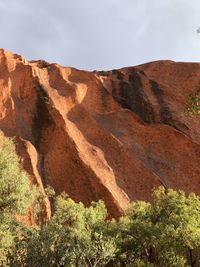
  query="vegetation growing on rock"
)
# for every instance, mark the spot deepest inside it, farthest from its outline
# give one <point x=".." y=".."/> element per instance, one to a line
<point x="193" y="105"/>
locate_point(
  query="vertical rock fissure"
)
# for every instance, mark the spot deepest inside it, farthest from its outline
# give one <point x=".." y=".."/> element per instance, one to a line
<point x="41" y="116"/>
<point x="130" y="95"/>
<point x="42" y="120"/>
<point x="41" y="168"/>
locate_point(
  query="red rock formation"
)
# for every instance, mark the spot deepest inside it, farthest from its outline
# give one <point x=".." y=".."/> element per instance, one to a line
<point x="102" y="135"/>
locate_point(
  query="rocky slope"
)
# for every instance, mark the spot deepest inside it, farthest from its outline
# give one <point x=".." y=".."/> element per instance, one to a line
<point x="111" y="135"/>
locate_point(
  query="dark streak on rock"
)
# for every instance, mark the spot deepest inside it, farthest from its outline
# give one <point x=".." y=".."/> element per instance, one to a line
<point x="41" y="168"/>
<point x="165" y="113"/>
<point x="42" y="117"/>
<point x="120" y="75"/>
<point x="42" y="120"/>
<point x="131" y="95"/>
<point x="104" y="96"/>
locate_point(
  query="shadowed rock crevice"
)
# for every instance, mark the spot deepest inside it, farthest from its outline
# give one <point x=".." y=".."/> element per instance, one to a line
<point x="131" y="95"/>
<point x="42" y="122"/>
<point x="41" y="168"/>
<point x="42" y="118"/>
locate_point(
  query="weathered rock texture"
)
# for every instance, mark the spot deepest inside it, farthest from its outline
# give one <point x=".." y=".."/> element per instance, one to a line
<point x="110" y="135"/>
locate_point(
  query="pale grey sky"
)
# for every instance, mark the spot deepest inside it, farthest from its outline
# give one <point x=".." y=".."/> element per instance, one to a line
<point x="101" y="34"/>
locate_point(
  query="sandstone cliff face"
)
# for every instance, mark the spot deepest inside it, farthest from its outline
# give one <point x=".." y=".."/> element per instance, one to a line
<point x="111" y="135"/>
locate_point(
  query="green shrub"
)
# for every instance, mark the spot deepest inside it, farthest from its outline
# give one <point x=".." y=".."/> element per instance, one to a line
<point x="16" y="197"/>
<point x="193" y="104"/>
<point x="165" y="232"/>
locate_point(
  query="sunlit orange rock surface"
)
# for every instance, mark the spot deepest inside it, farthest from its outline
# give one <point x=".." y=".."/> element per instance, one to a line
<point x="111" y="135"/>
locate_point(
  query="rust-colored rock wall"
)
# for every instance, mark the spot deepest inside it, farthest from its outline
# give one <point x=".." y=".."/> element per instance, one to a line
<point x="111" y="135"/>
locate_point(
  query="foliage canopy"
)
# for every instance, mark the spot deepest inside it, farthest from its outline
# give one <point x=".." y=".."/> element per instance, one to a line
<point x="165" y="232"/>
